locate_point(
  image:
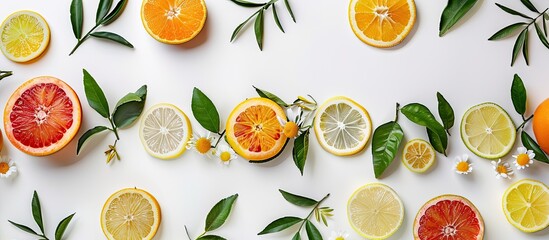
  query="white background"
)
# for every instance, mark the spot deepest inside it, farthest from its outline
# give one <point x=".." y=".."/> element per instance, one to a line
<point x="319" y="56"/>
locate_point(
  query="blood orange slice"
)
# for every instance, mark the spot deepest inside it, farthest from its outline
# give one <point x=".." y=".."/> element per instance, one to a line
<point x="254" y="131"/>
<point x="448" y="217"/>
<point x="42" y="116"/>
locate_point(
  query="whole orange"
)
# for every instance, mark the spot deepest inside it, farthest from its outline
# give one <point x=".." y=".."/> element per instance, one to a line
<point x="540" y="124"/>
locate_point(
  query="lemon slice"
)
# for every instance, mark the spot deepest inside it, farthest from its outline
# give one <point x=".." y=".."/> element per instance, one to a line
<point x="130" y="214"/>
<point x="526" y="205"/>
<point x="488" y="131"/>
<point x="418" y="155"/>
<point x="24" y="35"/>
<point x="375" y="211"/>
<point x="342" y="126"/>
<point x="165" y="131"/>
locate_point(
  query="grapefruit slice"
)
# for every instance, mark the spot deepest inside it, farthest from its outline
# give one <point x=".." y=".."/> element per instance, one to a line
<point x="254" y="131"/>
<point x="42" y="116"/>
<point x="448" y="217"/>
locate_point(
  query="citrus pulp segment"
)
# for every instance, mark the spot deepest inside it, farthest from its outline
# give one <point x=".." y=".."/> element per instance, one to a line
<point x="342" y="126"/>
<point x="42" y="116"/>
<point x="173" y="21"/>
<point x="418" y="155"/>
<point x="488" y="131"/>
<point x="24" y="36"/>
<point x="540" y="125"/>
<point x="382" y="23"/>
<point x="375" y="211"/>
<point x="448" y="217"/>
<point x="165" y="131"/>
<point x="526" y="205"/>
<point x="130" y="214"/>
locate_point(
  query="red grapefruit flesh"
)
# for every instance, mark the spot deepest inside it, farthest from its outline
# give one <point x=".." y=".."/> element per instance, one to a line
<point x="42" y="116"/>
<point x="448" y="217"/>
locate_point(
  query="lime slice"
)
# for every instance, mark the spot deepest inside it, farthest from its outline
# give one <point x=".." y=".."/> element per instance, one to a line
<point x="418" y="155"/>
<point x="375" y="211"/>
<point x="488" y="131"/>
<point x="165" y="131"/>
<point x="526" y="205"/>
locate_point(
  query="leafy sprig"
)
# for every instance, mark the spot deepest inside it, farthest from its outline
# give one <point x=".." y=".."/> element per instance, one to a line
<point x="102" y="18"/>
<point x="125" y="113"/>
<point x="259" y="18"/>
<point x="521" y="43"/>
<point x="453" y="12"/>
<point x="216" y="218"/>
<point x="5" y="74"/>
<point x="286" y="222"/>
<point x="37" y="215"/>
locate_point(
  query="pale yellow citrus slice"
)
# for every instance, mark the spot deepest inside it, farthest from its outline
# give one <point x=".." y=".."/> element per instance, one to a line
<point x="24" y="36"/>
<point x="418" y="155"/>
<point x="526" y="205"/>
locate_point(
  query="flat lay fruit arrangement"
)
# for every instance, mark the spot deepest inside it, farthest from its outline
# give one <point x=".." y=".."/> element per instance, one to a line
<point x="280" y="119"/>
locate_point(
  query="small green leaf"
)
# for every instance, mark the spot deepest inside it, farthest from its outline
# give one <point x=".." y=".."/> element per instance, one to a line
<point x="297" y="236"/>
<point x="24" y="228"/>
<point x="77" y="17"/>
<point x="219" y="213"/>
<point x="277" y="21"/>
<point x="239" y="27"/>
<point x="5" y="74"/>
<point x="445" y="111"/>
<point x="518" y="95"/>
<point x="312" y="231"/>
<point x="274" y="98"/>
<point x="518" y="45"/>
<point x="513" y="12"/>
<point x="289" y="9"/>
<point x="37" y="211"/>
<point x="127" y="111"/>
<point x="115" y="13"/>
<point x="297" y="200"/>
<point x="301" y="148"/>
<point x="95" y="96"/>
<point x="525" y="48"/>
<point x="422" y="116"/>
<point x="542" y="37"/>
<point x="544" y="21"/>
<point x="210" y="237"/>
<point x="530" y="144"/>
<point x="258" y="27"/>
<point x="507" y="31"/>
<point x="60" y="230"/>
<point x="113" y="37"/>
<point x="86" y="136"/>
<point x="385" y="143"/>
<point x="247" y="4"/>
<point x="280" y="224"/>
<point x="102" y="10"/>
<point x="529" y="5"/>
<point x="204" y="111"/>
<point x="453" y="12"/>
<point x="435" y="142"/>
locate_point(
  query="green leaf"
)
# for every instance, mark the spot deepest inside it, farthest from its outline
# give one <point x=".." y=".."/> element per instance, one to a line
<point x="453" y="12"/>
<point x="5" y="74"/>
<point x="518" y="45"/>
<point x="422" y="116"/>
<point x="297" y="200"/>
<point x="95" y="96"/>
<point x="435" y="142"/>
<point x="297" y="236"/>
<point x="280" y="224"/>
<point x="86" y="136"/>
<point x="60" y="230"/>
<point x="77" y="17"/>
<point x="277" y="21"/>
<point x="542" y="37"/>
<point x="518" y="95"/>
<point x="530" y="144"/>
<point x="529" y="5"/>
<point x="274" y="98"/>
<point x="113" y="37"/>
<point x="385" y="143"/>
<point x="525" y="48"/>
<point x="445" y="111"/>
<point x="219" y="213"/>
<point x="301" y="148"/>
<point x="513" y="12"/>
<point x="127" y="110"/>
<point x="312" y="231"/>
<point x="115" y="13"/>
<point x="247" y="4"/>
<point x="24" y="228"/>
<point x="210" y="237"/>
<point x="544" y="21"/>
<point x="507" y="31"/>
<point x="258" y="27"/>
<point x="239" y="27"/>
<point x="289" y="9"/>
<point x="37" y="211"/>
<point x="204" y="111"/>
<point x="102" y="10"/>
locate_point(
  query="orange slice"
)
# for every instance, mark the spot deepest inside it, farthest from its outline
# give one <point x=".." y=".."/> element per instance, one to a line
<point x="173" y="21"/>
<point x="382" y="23"/>
<point x="254" y="131"/>
<point x="418" y="155"/>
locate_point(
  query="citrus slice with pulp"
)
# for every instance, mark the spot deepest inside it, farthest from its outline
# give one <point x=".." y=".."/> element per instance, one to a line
<point x="165" y="131"/>
<point x="342" y="126"/>
<point x="375" y="211"/>
<point x="382" y="23"/>
<point x="173" y="21"/>
<point x="526" y="205"/>
<point x="253" y="130"/>
<point x="418" y="155"/>
<point x="24" y="35"/>
<point x="488" y="131"/>
<point x="130" y="214"/>
<point x="42" y="116"/>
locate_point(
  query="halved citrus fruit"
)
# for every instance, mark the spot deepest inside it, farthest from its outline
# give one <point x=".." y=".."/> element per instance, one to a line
<point x="448" y="217"/>
<point x="165" y="131"/>
<point x="173" y="21"/>
<point x="375" y="211"/>
<point x="24" y="35"/>
<point x="526" y="205"/>
<point x="42" y="116"/>
<point x="254" y="131"/>
<point x="488" y="131"/>
<point x="540" y="125"/>
<point x="130" y="214"/>
<point x="342" y="126"/>
<point x="382" y="23"/>
<point x="418" y="155"/>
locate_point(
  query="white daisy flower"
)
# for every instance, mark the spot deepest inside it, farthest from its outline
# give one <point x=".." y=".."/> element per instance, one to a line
<point x="294" y="127"/>
<point x="503" y="170"/>
<point x="339" y="235"/>
<point x="7" y="167"/>
<point x="225" y="154"/>
<point x="462" y="165"/>
<point x="202" y="144"/>
<point x="524" y="158"/>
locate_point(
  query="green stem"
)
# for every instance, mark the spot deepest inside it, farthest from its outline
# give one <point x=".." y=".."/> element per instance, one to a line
<point x="114" y="129"/>
<point x="525" y="121"/>
<point x="4" y="74"/>
<point x="219" y="139"/>
<point x="312" y="211"/>
<point x="396" y="112"/>
<point x="81" y="40"/>
<point x="187" y="232"/>
<point x="199" y="236"/>
<point x="535" y="19"/>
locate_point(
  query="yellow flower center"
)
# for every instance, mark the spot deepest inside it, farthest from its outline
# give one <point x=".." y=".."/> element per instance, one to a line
<point x="291" y="129"/>
<point x="462" y="166"/>
<point x="340" y="238"/>
<point x="225" y="156"/>
<point x="4" y="167"/>
<point x="523" y="159"/>
<point x="203" y="145"/>
<point x="501" y="169"/>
